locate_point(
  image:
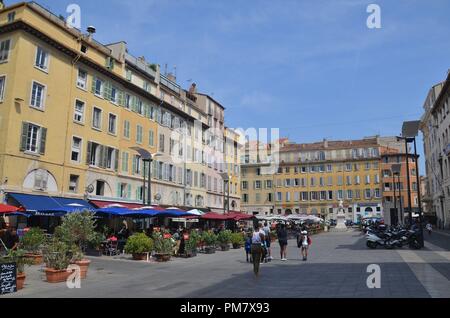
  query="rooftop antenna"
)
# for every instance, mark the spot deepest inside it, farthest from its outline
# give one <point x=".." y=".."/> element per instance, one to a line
<point x="165" y="69"/>
<point x="175" y="71"/>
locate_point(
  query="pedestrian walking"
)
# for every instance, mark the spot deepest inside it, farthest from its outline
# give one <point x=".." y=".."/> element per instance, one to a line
<point x="283" y="241"/>
<point x="257" y="241"/>
<point x="429" y="228"/>
<point x="266" y="230"/>
<point x="304" y="242"/>
<point x="248" y="247"/>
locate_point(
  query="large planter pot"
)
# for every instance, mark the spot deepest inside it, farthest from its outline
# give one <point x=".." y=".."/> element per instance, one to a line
<point x="210" y="250"/>
<point x="139" y="256"/>
<point x="36" y="259"/>
<point x="237" y="246"/>
<point x="57" y="276"/>
<point x="162" y="257"/>
<point x="225" y="247"/>
<point x="84" y="266"/>
<point x="20" y="280"/>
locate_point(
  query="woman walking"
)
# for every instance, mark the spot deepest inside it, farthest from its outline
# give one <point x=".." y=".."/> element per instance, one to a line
<point x="283" y="240"/>
<point x="257" y="241"/>
<point x="304" y="242"/>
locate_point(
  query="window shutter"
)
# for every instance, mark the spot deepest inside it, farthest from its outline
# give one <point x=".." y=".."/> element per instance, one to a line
<point x="121" y="95"/>
<point x="94" y="79"/>
<point x="119" y="194"/>
<point x="23" y="137"/>
<point x="102" y="157"/>
<point x="116" y="164"/>
<point x="107" y="91"/>
<point x="129" y="191"/>
<point x="43" y="141"/>
<point x="88" y="153"/>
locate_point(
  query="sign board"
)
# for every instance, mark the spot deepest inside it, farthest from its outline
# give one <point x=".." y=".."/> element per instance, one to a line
<point x="185" y="220"/>
<point x="8" y="278"/>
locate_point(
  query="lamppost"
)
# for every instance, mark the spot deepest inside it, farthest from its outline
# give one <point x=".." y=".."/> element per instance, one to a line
<point x="396" y="170"/>
<point x="410" y="131"/>
<point x="146" y="157"/>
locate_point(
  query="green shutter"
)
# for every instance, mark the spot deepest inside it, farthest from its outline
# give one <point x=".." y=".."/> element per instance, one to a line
<point x="23" y="137"/>
<point x="116" y="163"/>
<point x="88" y="153"/>
<point x="107" y="91"/>
<point x="118" y="190"/>
<point x="121" y="95"/>
<point x="129" y="191"/>
<point x="43" y="141"/>
<point x="102" y="157"/>
<point x="93" y="84"/>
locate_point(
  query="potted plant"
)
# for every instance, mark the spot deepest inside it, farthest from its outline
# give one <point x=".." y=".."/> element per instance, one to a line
<point x="32" y="243"/>
<point x="57" y="259"/>
<point x="139" y="245"/>
<point x="93" y="247"/>
<point x="224" y="239"/>
<point x="210" y="240"/>
<point x="237" y="239"/>
<point x="76" y="230"/>
<point x="163" y="247"/>
<point x="192" y="244"/>
<point x="19" y="257"/>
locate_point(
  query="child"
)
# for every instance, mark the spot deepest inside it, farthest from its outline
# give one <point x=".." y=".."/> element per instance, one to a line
<point x="248" y="247"/>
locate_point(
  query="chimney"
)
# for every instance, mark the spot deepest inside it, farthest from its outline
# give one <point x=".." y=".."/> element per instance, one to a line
<point x="325" y="143"/>
<point x="91" y="31"/>
<point x="193" y="89"/>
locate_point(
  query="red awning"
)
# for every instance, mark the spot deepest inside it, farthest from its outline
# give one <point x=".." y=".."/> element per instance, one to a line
<point x="8" y="209"/>
<point x="215" y="216"/>
<point x="106" y="204"/>
<point x="238" y="216"/>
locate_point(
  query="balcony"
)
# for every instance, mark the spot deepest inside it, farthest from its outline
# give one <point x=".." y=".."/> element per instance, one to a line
<point x="141" y="65"/>
<point x="163" y="80"/>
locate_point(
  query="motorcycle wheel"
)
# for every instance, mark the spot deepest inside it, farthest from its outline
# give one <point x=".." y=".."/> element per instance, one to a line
<point x="371" y="245"/>
<point x="415" y="245"/>
<point x="388" y="246"/>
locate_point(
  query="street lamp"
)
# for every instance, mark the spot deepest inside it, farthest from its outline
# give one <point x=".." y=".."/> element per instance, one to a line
<point x="146" y="157"/>
<point x="396" y="170"/>
<point x="410" y="131"/>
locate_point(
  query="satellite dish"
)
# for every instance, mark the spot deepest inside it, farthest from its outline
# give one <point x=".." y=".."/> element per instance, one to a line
<point x="90" y="188"/>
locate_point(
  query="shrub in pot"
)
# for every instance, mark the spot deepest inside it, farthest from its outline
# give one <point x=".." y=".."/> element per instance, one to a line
<point x="163" y="247"/>
<point x="32" y="243"/>
<point x="192" y="244"/>
<point x="57" y="258"/>
<point x="139" y="245"/>
<point x="94" y="244"/>
<point x="76" y="230"/>
<point x="237" y="239"/>
<point x="210" y="240"/>
<point x="224" y="239"/>
<point x="19" y="257"/>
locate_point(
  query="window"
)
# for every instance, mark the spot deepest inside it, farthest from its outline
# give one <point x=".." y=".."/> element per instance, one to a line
<point x="139" y="134"/>
<point x="2" y="87"/>
<point x="98" y="87"/>
<point x="42" y="58"/>
<point x="357" y="180"/>
<point x="244" y="185"/>
<point x="33" y="138"/>
<point x="97" y="118"/>
<point x="41" y="179"/>
<point x="73" y="183"/>
<point x="11" y="16"/>
<point x="288" y="196"/>
<point x="377" y="193"/>
<point x="83" y="48"/>
<point x="112" y="124"/>
<point x="126" y="129"/>
<point x="279" y="196"/>
<point x="124" y="190"/>
<point x="340" y="195"/>
<point x="82" y="79"/>
<point x="161" y="143"/>
<point x="329" y="168"/>
<point x="79" y="111"/>
<point x="114" y="97"/>
<point x="136" y="164"/>
<point x="367" y="179"/>
<point x="151" y="138"/>
<point x="4" y="50"/>
<point x="367" y="194"/>
<point x="245" y="198"/>
<point x="37" y="95"/>
<point x="257" y="185"/>
<point x="76" y="149"/>
<point x="125" y="156"/>
<point x="129" y="75"/>
<point x="349" y="194"/>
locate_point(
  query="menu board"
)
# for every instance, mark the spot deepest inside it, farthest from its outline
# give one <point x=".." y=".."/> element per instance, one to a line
<point x="8" y="279"/>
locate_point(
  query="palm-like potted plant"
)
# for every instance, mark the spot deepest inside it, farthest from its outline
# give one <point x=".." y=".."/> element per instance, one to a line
<point x="32" y="243"/>
<point x="163" y="247"/>
<point x="76" y="230"/>
<point x="210" y="240"/>
<point x="139" y="245"/>
<point x="19" y="257"/>
<point x="57" y="258"/>
<point x="224" y="239"/>
<point x="192" y="244"/>
<point x="237" y="239"/>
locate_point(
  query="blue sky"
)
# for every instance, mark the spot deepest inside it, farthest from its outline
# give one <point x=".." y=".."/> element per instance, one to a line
<point x="310" y="67"/>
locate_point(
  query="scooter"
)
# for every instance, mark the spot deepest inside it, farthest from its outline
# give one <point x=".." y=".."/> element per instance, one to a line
<point x="375" y="240"/>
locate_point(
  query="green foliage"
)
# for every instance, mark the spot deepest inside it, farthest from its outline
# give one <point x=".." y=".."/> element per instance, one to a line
<point x="192" y="243"/>
<point x="139" y="243"/>
<point x="33" y="240"/>
<point x="96" y="240"/>
<point x="162" y="245"/>
<point x="57" y="254"/>
<point x="77" y="229"/>
<point x="237" y="238"/>
<point x="209" y="238"/>
<point x="18" y="257"/>
<point x="224" y="237"/>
